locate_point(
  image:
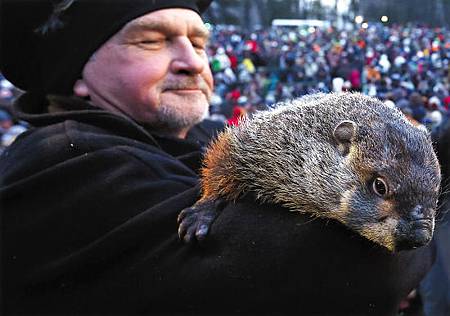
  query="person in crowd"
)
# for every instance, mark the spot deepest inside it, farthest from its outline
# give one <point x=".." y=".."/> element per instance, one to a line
<point x="9" y="130"/>
<point x="6" y="121"/>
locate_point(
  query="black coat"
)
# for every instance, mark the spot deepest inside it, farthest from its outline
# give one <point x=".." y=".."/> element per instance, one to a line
<point x="89" y="202"/>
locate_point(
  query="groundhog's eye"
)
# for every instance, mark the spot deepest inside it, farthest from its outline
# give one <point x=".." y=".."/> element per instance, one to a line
<point x="380" y="187"/>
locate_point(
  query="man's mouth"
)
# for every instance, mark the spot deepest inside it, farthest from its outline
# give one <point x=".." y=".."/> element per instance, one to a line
<point x="185" y="90"/>
<point x="186" y="86"/>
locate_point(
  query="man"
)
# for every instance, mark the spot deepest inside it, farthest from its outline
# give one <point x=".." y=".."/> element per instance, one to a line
<point x="89" y="196"/>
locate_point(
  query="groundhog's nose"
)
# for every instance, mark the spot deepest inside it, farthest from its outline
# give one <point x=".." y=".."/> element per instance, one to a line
<point x="417" y="213"/>
<point x="416" y="229"/>
<point x="419" y="234"/>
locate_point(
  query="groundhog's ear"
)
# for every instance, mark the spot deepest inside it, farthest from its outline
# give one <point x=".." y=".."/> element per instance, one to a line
<point x="344" y="133"/>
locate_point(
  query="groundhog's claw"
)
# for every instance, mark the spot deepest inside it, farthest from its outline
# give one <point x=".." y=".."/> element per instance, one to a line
<point x="194" y="222"/>
<point x="185" y="227"/>
<point x="202" y="231"/>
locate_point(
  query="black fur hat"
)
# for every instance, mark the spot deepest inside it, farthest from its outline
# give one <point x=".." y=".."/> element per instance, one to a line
<point x="45" y="43"/>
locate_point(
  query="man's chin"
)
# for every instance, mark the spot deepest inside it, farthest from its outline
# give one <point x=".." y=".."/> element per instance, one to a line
<point x="181" y="116"/>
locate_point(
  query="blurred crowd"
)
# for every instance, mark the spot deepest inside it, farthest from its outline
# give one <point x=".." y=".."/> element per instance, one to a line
<point x="10" y="128"/>
<point x="406" y="66"/>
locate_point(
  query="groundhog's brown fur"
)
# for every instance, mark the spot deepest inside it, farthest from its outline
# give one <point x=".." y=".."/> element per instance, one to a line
<point x="330" y="155"/>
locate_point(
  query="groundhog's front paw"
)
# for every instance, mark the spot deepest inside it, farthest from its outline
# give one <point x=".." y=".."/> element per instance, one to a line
<point x="194" y="222"/>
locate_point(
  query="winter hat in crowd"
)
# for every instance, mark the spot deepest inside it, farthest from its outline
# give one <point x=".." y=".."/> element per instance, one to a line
<point x="434" y="100"/>
<point x="5" y="116"/>
<point x="45" y="44"/>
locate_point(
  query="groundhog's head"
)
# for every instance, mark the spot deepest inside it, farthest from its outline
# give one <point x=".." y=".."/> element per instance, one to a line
<point x="344" y="156"/>
<point x="392" y="200"/>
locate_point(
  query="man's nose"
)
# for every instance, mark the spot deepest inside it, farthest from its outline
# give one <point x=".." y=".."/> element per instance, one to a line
<point x="187" y="59"/>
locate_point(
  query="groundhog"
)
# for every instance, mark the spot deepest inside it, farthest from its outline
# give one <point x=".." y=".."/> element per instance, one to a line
<point x="341" y="156"/>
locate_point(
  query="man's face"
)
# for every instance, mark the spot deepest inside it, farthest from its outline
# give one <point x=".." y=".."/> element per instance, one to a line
<point x="155" y="70"/>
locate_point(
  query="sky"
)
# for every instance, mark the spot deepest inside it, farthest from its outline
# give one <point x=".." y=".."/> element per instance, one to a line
<point x="342" y="7"/>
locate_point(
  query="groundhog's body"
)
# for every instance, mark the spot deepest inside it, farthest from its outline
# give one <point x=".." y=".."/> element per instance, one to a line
<point x="330" y="155"/>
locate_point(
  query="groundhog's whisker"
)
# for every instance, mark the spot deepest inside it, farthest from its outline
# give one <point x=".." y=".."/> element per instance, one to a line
<point x="442" y="209"/>
<point x="445" y="188"/>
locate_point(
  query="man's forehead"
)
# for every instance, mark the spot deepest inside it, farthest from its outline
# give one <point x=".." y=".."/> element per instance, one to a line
<point x="169" y="20"/>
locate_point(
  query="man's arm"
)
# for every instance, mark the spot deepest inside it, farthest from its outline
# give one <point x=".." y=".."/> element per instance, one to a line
<point x="105" y="241"/>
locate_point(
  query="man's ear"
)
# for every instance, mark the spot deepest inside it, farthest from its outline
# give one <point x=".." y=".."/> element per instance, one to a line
<point x="80" y="89"/>
<point x="344" y="133"/>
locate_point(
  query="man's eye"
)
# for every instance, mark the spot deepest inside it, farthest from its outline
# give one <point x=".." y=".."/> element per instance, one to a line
<point x="198" y="45"/>
<point x="149" y="42"/>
